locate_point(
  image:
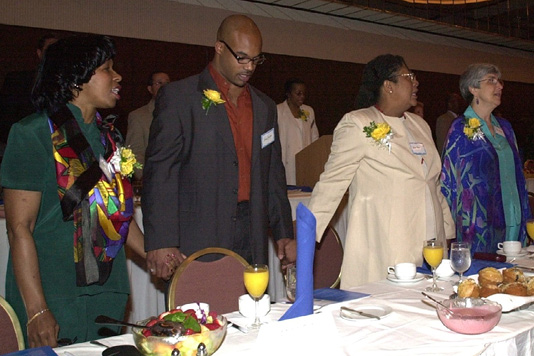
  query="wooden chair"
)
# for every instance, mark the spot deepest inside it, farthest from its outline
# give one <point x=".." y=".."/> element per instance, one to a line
<point x="218" y="283"/>
<point x="11" y="339"/>
<point x="328" y="260"/>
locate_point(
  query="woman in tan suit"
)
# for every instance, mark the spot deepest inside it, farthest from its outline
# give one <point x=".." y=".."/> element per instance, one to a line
<point x="386" y="158"/>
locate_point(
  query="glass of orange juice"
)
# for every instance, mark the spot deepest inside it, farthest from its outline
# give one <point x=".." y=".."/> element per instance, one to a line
<point x="256" y="277"/>
<point x="433" y="253"/>
<point x="530" y="228"/>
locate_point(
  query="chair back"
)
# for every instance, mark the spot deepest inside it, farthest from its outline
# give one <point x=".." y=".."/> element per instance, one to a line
<point x="328" y="260"/>
<point x="218" y="283"/>
<point x="531" y="202"/>
<point x="11" y="339"/>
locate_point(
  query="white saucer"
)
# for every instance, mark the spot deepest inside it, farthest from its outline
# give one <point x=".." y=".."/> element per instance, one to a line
<point x="380" y="311"/>
<point x="520" y="254"/>
<point x="418" y="277"/>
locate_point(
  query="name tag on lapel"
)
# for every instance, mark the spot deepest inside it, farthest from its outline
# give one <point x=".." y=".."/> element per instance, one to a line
<point x="418" y="148"/>
<point x="267" y="138"/>
<point x="499" y="131"/>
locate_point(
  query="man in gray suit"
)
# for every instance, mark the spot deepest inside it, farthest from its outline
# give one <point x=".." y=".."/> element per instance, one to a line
<point x="214" y="174"/>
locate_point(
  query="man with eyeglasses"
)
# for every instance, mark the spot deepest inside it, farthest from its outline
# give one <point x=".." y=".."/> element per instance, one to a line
<point x="213" y="175"/>
<point x="140" y="119"/>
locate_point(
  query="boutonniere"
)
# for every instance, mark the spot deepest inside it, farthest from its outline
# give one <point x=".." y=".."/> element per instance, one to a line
<point x="211" y="97"/>
<point x="473" y="129"/>
<point x="381" y="134"/>
<point x="304" y="115"/>
<point x="124" y="161"/>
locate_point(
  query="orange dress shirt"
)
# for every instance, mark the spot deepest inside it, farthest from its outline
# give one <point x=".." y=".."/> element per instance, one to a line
<point x="241" y="121"/>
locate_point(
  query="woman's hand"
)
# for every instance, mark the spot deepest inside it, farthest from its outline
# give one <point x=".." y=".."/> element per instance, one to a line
<point x="43" y="330"/>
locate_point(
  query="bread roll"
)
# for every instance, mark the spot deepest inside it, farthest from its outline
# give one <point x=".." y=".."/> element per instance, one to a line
<point x="489" y="290"/>
<point x="515" y="288"/>
<point x="489" y="276"/>
<point x="468" y="289"/>
<point x="514" y="274"/>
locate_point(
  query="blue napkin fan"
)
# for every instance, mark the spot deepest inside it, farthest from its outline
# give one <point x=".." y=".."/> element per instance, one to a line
<point x="305" y="252"/>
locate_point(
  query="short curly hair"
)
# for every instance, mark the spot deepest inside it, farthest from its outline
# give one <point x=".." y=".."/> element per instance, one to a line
<point x="66" y="66"/>
<point x="473" y="75"/>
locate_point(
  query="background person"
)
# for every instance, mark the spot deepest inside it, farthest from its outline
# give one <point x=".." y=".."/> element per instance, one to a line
<point x="296" y="122"/>
<point x="482" y="174"/>
<point x="455" y="105"/>
<point x="55" y="180"/>
<point x="394" y="193"/>
<point x="140" y="119"/>
<point x="213" y="174"/>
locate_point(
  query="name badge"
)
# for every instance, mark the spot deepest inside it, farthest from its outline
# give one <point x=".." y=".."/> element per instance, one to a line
<point x="267" y="138"/>
<point x="418" y="148"/>
<point x="499" y="131"/>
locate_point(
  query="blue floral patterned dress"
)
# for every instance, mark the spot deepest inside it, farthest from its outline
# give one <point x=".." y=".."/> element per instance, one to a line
<point x="471" y="183"/>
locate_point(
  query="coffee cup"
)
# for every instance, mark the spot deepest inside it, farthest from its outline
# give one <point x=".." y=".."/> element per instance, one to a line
<point x="403" y="271"/>
<point x="247" y="305"/>
<point x="445" y="269"/>
<point x="510" y="247"/>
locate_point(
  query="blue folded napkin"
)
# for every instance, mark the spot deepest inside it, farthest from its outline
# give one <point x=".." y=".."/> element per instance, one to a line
<point x="305" y="251"/>
<point x="476" y="265"/>
<point x="337" y="295"/>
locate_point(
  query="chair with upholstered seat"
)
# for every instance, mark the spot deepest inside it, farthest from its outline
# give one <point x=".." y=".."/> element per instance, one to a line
<point x="218" y="283"/>
<point x="11" y="338"/>
<point x="327" y="261"/>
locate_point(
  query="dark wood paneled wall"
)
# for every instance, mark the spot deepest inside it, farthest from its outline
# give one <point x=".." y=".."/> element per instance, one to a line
<point x="332" y="85"/>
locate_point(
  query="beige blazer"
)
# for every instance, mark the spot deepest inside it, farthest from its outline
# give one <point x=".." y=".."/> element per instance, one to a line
<point x="388" y="195"/>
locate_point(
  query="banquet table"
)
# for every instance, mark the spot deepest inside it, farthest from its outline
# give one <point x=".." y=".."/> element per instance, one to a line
<point x="412" y="328"/>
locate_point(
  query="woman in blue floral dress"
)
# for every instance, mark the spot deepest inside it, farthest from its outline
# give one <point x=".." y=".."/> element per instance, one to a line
<point x="482" y="177"/>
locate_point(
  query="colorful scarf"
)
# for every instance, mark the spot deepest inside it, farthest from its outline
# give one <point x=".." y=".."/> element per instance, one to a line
<point x="101" y="206"/>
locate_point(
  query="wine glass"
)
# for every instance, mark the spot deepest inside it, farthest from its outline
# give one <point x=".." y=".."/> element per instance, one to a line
<point x="433" y="253"/>
<point x="460" y="257"/>
<point x="256" y="277"/>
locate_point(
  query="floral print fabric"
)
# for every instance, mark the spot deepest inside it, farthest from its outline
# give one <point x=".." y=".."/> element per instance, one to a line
<point x="470" y="181"/>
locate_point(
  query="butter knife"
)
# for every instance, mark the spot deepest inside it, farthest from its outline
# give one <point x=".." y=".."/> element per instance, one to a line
<point x="354" y="311"/>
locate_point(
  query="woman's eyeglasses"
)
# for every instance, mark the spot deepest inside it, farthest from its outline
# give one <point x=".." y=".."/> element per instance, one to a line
<point x="492" y="81"/>
<point x="409" y="75"/>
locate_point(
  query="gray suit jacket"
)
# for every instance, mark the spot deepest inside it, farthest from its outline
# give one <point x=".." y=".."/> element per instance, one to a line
<point x="190" y="178"/>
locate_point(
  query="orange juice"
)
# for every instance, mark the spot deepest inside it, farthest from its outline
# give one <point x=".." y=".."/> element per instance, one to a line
<point x="256" y="281"/>
<point x="530" y="228"/>
<point x="433" y="255"/>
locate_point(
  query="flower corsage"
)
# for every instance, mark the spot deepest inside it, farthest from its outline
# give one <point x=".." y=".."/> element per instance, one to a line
<point x="473" y="129"/>
<point x="381" y="134"/>
<point x="124" y="161"/>
<point x="211" y="97"/>
<point x="304" y="115"/>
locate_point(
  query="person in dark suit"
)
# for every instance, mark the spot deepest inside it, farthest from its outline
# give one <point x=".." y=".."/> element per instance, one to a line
<point x="213" y="172"/>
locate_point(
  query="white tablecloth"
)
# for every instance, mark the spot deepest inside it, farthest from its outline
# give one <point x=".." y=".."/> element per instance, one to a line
<point x="411" y="329"/>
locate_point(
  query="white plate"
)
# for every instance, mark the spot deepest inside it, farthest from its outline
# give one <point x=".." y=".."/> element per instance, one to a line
<point x="520" y="254"/>
<point x="380" y="311"/>
<point x="418" y="277"/>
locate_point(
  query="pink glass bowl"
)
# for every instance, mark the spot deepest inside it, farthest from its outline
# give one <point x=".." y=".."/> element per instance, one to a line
<point x="470" y="315"/>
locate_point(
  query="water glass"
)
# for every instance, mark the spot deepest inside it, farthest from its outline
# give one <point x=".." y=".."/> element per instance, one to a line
<point x="291" y="282"/>
<point x="460" y="257"/>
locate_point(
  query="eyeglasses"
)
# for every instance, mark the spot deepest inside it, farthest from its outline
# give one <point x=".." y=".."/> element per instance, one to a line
<point x="492" y="81"/>
<point x="245" y="60"/>
<point x="409" y="75"/>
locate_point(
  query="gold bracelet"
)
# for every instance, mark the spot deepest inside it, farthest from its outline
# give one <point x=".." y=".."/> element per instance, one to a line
<point x="36" y="315"/>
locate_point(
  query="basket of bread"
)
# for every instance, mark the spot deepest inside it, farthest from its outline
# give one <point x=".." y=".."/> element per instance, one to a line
<point x="510" y="287"/>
